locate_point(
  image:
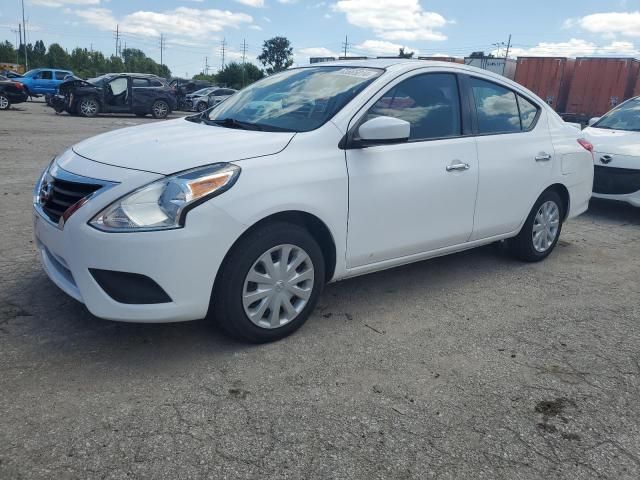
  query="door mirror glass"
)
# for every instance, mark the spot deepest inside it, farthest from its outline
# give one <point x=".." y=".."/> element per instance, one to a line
<point x="381" y="130"/>
<point x="593" y="120"/>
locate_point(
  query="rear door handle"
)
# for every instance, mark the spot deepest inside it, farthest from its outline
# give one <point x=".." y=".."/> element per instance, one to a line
<point x="457" y="167"/>
<point x="543" y="157"/>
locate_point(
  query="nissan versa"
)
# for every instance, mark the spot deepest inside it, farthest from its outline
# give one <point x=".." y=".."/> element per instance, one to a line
<point x="311" y="175"/>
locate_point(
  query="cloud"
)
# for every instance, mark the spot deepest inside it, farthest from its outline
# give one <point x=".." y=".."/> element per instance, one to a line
<point x="61" y="3"/>
<point x="382" y="48"/>
<point x="575" y="48"/>
<point x="394" y="19"/>
<point x="183" y="21"/>
<point x="252" y="3"/>
<point x="622" y="23"/>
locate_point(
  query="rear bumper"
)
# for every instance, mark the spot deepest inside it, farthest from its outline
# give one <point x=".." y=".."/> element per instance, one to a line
<point x="17" y="97"/>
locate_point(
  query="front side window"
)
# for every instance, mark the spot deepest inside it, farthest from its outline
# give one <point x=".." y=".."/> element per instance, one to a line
<point x="118" y="85"/>
<point x="625" y="117"/>
<point x="309" y="97"/>
<point x="429" y="102"/>
<point x="496" y="107"/>
<point x="45" y="75"/>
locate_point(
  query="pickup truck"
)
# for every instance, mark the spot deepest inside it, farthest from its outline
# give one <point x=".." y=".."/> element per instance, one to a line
<point x="43" y="81"/>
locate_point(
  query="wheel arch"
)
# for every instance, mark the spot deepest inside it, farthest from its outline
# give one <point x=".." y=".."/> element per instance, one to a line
<point x="563" y="191"/>
<point x="314" y="225"/>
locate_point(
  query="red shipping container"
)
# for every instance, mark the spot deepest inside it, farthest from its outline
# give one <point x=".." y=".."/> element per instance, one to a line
<point x="547" y="77"/>
<point x="599" y="84"/>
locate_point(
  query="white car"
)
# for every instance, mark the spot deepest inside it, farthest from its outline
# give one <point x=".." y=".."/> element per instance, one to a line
<point x="616" y="142"/>
<point x="245" y="213"/>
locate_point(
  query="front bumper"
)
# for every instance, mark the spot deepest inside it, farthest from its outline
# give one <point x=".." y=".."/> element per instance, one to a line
<point x="183" y="262"/>
<point x="622" y="184"/>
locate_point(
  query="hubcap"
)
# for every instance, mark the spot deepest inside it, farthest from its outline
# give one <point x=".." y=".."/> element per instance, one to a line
<point x="88" y="107"/>
<point x="4" y="103"/>
<point x="278" y="286"/>
<point x="545" y="226"/>
<point x="161" y="109"/>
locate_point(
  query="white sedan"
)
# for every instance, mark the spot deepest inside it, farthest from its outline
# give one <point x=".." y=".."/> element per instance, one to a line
<point x="616" y="141"/>
<point x="244" y="214"/>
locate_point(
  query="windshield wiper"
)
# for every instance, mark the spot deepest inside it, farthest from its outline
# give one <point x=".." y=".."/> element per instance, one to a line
<point x="233" y="123"/>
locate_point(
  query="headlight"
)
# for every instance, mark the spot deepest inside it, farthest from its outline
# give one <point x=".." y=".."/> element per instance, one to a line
<point x="164" y="203"/>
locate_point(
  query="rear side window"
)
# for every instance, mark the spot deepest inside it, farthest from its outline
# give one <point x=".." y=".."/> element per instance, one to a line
<point x="429" y="102"/>
<point x="528" y="113"/>
<point x="140" y="82"/>
<point x="61" y="75"/>
<point x="496" y="107"/>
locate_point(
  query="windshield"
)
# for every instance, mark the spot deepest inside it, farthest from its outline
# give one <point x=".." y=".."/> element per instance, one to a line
<point x="98" y="80"/>
<point x="625" y="117"/>
<point x="202" y="91"/>
<point x="298" y="100"/>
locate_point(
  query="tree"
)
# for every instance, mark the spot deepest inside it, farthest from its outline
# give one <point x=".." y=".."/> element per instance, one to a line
<point x="404" y="54"/>
<point x="205" y="77"/>
<point x="39" y="55"/>
<point x="7" y="52"/>
<point x="277" y="54"/>
<point x="57" y="57"/>
<point x="232" y="75"/>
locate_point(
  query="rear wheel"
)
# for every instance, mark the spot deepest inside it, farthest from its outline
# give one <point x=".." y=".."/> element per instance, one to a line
<point x="160" y="109"/>
<point x="88" y="107"/>
<point x="540" y="232"/>
<point x="201" y="107"/>
<point x="4" y="102"/>
<point x="269" y="283"/>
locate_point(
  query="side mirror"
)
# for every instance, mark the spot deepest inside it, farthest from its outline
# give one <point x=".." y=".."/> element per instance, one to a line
<point x="593" y="120"/>
<point x="383" y="130"/>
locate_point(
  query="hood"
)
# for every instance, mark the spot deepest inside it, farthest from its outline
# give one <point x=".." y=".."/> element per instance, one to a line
<point x="614" y="142"/>
<point x="171" y="146"/>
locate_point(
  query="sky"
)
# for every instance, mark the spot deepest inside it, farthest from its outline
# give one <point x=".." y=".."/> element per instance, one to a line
<point x="194" y="30"/>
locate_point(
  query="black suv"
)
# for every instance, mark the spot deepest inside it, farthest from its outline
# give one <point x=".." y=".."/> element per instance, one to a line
<point x="137" y="93"/>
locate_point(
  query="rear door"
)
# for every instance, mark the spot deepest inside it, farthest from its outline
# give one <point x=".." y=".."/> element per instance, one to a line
<point x="515" y="156"/>
<point x="143" y="94"/>
<point x="412" y="197"/>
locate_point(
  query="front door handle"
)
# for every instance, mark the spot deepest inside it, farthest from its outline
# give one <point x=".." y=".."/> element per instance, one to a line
<point x="457" y="167"/>
<point x="543" y="157"/>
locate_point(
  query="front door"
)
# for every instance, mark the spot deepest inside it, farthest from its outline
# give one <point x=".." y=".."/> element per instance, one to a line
<point x="118" y="95"/>
<point x="417" y="196"/>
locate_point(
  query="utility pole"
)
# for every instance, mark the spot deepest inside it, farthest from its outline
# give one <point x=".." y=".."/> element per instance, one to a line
<point x="117" y="37"/>
<point x="345" y="45"/>
<point x="506" y="55"/>
<point x="24" y="28"/>
<point x="206" y="65"/>
<point x="223" y="46"/>
<point x="244" y="55"/>
<point x="17" y="44"/>
<point x="161" y="47"/>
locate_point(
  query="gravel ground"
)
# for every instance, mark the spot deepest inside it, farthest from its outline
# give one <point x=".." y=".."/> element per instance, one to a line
<point x="470" y="366"/>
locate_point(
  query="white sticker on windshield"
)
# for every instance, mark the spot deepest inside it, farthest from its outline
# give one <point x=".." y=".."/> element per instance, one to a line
<point x="356" y="72"/>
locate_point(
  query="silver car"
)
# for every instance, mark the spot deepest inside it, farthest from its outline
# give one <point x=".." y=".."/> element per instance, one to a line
<point x="209" y="98"/>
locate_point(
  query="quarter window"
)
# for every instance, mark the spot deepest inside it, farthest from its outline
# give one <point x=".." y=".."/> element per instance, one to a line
<point x="61" y="75"/>
<point x="429" y="102"/>
<point x="156" y="83"/>
<point x="528" y="112"/>
<point x="496" y="107"/>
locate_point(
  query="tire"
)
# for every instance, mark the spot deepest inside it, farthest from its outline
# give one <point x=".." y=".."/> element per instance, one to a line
<point x="5" y="103"/>
<point x="546" y="219"/>
<point x="88" y="107"/>
<point x="160" y="109"/>
<point x="201" y="107"/>
<point x="231" y="296"/>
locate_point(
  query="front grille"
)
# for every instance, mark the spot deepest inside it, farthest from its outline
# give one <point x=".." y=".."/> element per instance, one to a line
<point x="615" y="181"/>
<point x="63" y="194"/>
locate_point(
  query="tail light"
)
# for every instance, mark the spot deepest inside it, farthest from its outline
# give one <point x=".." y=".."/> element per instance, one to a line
<point x="586" y="144"/>
<point x="19" y="86"/>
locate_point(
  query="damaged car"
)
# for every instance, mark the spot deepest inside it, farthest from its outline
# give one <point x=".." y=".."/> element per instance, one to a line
<point x="137" y="93"/>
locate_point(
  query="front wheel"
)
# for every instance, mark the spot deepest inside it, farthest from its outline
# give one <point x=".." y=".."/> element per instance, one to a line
<point x="201" y="107"/>
<point x="160" y="109"/>
<point x="541" y="230"/>
<point x="88" y="107"/>
<point x="269" y="283"/>
<point x="4" y="102"/>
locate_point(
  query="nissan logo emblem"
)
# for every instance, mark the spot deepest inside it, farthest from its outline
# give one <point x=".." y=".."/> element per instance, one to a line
<point x="46" y="190"/>
<point x="606" y="159"/>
